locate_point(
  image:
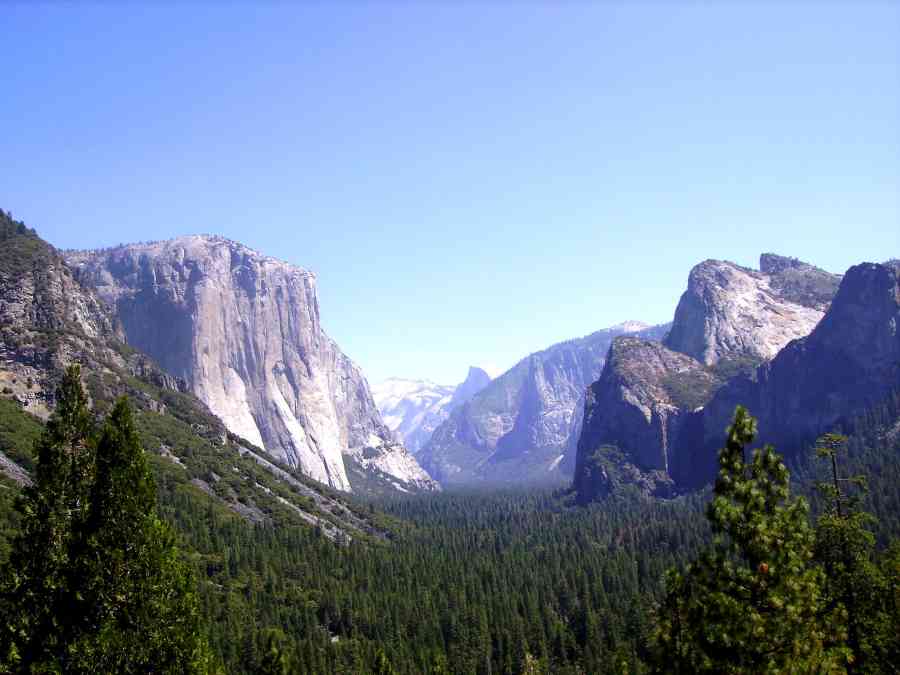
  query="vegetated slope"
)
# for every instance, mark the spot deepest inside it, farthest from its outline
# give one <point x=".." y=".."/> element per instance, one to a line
<point x="243" y="330"/>
<point x="413" y="409"/>
<point x="523" y="426"/>
<point x="50" y="321"/>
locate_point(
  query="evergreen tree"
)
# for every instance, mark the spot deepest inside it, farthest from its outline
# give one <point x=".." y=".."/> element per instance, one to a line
<point x="94" y="582"/>
<point x="36" y="601"/>
<point x="856" y="592"/>
<point x="750" y="603"/>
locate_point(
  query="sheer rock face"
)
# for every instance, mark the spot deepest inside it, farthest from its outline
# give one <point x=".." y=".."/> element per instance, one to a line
<point x="47" y="297"/>
<point x="243" y="330"/>
<point x="636" y="407"/>
<point x="521" y="427"/>
<point x="730" y="312"/>
<point x="645" y="417"/>
<point x="850" y="362"/>
<point x="47" y="320"/>
<point x="413" y="409"/>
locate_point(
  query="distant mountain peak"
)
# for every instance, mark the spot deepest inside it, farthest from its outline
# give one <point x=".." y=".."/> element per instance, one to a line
<point x="413" y="408"/>
<point x="631" y="326"/>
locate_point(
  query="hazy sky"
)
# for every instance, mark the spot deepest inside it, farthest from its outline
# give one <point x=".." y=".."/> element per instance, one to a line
<point x="469" y="183"/>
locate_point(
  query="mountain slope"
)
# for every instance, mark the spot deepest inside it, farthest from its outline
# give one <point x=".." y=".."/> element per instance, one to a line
<point x="523" y="425"/>
<point x="413" y="409"/>
<point x="243" y="331"/>
<point x="848" y="363"/>
<point x="50" y="321"/>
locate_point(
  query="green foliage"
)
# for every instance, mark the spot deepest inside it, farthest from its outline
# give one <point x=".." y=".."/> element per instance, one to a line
<point x="19" y="432"/>
<point x="94" y="582"/>
<point x="692" y="388"/>
<point x="857" y="600"/>
<point x="21" y="250"/>
<point x="463" y="583"/>
<point x="751" y="602"/>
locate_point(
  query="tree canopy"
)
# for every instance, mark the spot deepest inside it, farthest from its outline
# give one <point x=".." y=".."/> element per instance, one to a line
<point x="94" y="582"/>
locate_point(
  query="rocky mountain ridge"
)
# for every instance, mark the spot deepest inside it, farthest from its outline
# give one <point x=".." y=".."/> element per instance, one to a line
<point x="413" y="409"/>
<point x="243" y="330"/>
<point x="729" y="312"/>
<point x="51" y="321"/>
<point x="849" y="360"/>
<point x="523" y="427"/>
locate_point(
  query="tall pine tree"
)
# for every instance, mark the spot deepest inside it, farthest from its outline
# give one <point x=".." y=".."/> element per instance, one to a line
<point x="751" y="603"/>
<point x="94" y="582"/>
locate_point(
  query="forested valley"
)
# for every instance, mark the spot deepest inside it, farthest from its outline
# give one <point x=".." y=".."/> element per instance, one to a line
<point x="526" y="582"/>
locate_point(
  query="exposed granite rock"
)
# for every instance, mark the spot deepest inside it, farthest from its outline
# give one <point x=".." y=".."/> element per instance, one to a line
<point x="850" y="362"/>
<point x="639" y="406"/>
<point x="47" y="320"/>
<point x="413" y="409"/>
<point x="476" y="380"/>
<point x="520" y="427"/>
<point x="732" y="313"/>
<point x="243" y="330"/>
<point x="799" y="282"/>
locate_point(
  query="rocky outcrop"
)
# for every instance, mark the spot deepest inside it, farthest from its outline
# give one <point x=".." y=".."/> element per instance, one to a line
<point x="850" y="362"/>
<point x="520" y="427"/>
<point x="47" y="320"/>
<point x="732" y="313"/>
<point x="799" y="282"/>
<point x="243" y="330"/>
<point x="644" y="417"/>
<point x="413" y="409"/>
<point x="476" y="380"/>
<point x="639" y="405"/>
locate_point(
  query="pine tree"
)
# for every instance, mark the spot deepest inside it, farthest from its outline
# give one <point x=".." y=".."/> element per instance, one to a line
<point x="856" y="592"/>
<point x="750" y="603"/>
<point x="136" y="596"/>
<point x="94" y="582"/>
<point x="36" y="601"/>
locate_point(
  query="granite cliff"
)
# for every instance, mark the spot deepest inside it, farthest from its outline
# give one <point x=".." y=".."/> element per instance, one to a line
<point x="732" y="313"/>
<point x="413" y="409"/>
<point x="645" y="416"/>
<point x="849" y="363"/>
<point x="524" y="425"/>
<point x="243" y="330"/>
<point x="49" y="321"/>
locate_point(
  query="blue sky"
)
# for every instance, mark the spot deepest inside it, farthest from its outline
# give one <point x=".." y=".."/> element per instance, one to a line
<point x="470" y="183"/>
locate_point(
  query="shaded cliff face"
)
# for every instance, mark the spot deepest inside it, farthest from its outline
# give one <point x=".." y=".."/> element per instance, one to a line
<point x="47" y="320"/>
<point x="640" y="404"/>
<point x="413" y="409"/>
<point x="243" y="330"/>
<point x="850" y="362"/>
<point x="644" y="417"/>
<point x="731" y="313"/>
<point x="520" y="428"/>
